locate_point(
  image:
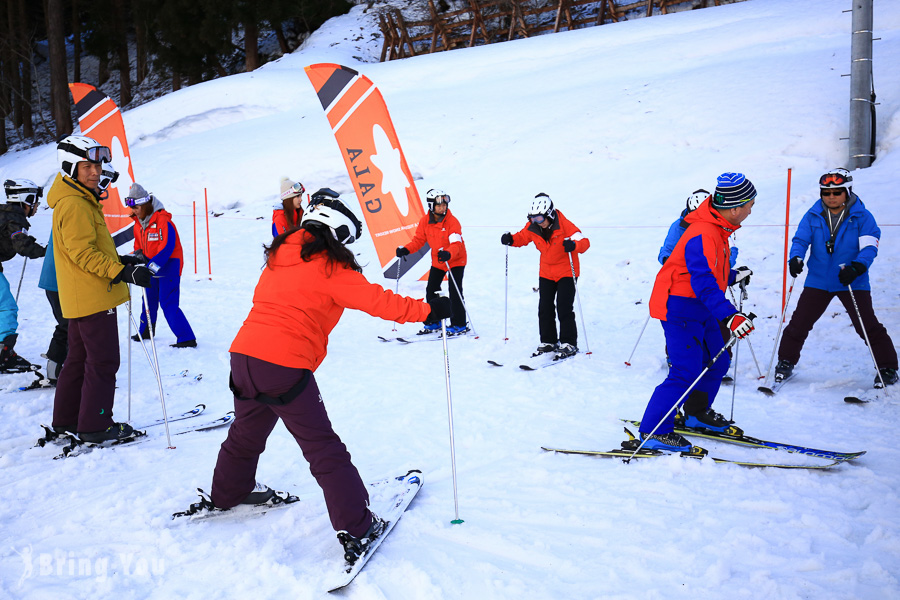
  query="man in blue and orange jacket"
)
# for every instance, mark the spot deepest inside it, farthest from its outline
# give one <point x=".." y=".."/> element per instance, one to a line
<point x="689" y="298"/>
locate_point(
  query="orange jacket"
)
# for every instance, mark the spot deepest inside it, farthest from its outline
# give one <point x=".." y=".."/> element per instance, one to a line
<point x="698" y="268"/>
<point x="554" y="260"/>
<point x="296" y="304"/>
<point x="446" y="235"/>
<point x="280" y="222"/>
<point x="159" y="240"/>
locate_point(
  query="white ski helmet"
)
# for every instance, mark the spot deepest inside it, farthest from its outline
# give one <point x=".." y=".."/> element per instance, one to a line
<point x="542" y="205"/>
<point x="837" y="178"/>
<point x="323" y="194"/>
<point x="108" y="176"/>
<point x="435" y="197"/>
<point x="23" y="191"/>
<point x="696" y="199"/>
<point x="73" y="149"/>
<point x="332" y="213"/>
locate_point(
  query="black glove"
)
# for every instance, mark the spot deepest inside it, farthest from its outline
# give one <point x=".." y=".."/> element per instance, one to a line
<point x="742" y="276"/>
<point x="443" y="255"/>
<point x="132" y="259"/>
<point x="440" y="309"/>
<point x="850" y="272"/>
<point x="795" y="266"/>
<point x="569" y="245"/>
<point x="402" y="251"/>
<point x="137" y="275"/>
<point x="506" y="239"/>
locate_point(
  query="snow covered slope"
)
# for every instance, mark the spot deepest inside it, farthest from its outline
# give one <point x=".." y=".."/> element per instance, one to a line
<point x="618" y="124"/>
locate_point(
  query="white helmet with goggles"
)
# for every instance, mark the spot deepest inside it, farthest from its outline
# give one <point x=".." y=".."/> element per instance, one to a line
<point x="73" y="149"/>
<point x="108" y="176"/>
<point x="837" y="178"/>
<point x="332" y="213"/>
<point x="435" y="197"/>
<point x="23" y="191"/>
<point x="696" y="199"/>
<point x="541" y="206"/>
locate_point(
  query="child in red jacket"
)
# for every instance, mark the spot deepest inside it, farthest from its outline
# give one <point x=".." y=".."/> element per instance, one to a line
<point x="156" y="241"/>
<point x="443" y="234"/>
<point x="559" y="242"/>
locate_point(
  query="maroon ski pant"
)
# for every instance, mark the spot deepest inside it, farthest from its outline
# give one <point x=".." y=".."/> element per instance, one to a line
<point x="305" y="418"/>
<point x="812" y="305"/>
<point x="86" y="387"/>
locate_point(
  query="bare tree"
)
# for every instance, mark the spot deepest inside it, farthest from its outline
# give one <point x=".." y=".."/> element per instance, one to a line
<point x="59" y="90"/>
<point x="121" y="43"/>
<point x="76" y="42"/>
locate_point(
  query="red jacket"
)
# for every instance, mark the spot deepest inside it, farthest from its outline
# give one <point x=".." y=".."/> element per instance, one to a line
<point x="446" y="235"/>
<point x="296" y="304"/>
<point x="698" y="268"/>
<point x="159" y="238"/>
<point x="280" y="223"/>
<point x="554" y="260"/>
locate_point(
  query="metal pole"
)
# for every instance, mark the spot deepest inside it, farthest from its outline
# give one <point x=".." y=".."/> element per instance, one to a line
<point x="130" y="320"/>
<point x="162" y="396"/>
<point x="587" y="346"/>
<point x="21" y="277"/>
<point x="778" y="335"/>
<point x="861" y="87"/>
<point x="397" y="289"/>
<point x="463" y="300"/>
<point x="506" y="297"/>
<point x="457" y="520"/>
<point x="640" y="335"/>
<point x="749" y="345"/>
<point x="866" y="336"/>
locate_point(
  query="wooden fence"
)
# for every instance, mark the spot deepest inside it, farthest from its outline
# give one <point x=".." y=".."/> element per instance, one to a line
<point x="490" y="21"/>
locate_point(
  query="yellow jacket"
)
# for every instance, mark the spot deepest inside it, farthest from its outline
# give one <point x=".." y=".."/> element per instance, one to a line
<point x="84" y="251"/>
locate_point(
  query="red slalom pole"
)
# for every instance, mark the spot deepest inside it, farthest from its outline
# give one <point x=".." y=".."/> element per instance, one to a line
<point x="208" y="251"/>
<point x="195" y="237"/>
<point x="787" y="223"/>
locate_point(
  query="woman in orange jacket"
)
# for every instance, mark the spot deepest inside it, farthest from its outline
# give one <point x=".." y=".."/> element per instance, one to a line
<point x="288" y="214"/>
<point x="443" y="234"/>
<point x="559" y="242"/>
<point x="309" y="279"/>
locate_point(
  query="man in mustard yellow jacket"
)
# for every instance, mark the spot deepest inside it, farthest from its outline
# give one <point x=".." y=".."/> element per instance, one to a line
<point x="92" y="283"/>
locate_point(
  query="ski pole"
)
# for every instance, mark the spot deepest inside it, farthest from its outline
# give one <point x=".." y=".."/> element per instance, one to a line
<point x="162" y="397"/>
<point x="640" y="335"/>
<point x="397" y="289"/>
<point x="866" y="336"/>
<point x="688" y="391"/>
<point x="21" y="277"/>
<point x="130" y="320"/>
<point x="737" y="348"/>
<point x="457" y="520"/>
<point x="778" y="335"/>
<point x="749" y="345"/>
<point x="506" y="296"/>
<point x="463" y="300"/>
<point x="587" y="346"/>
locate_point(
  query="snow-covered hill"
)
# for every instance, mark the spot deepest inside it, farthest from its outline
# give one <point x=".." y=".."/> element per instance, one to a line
<point x="619" y="124"/>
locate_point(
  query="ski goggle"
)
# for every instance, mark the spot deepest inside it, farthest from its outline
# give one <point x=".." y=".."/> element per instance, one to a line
<point x="132" y="202"/>
<point x="835" y="192"/>
<point x="94" y="154"/>
<point x="834" y="179"/>
<point x="33" y="194"/>
<point x="294" y="190"/>
<point x="537" y="219"/>
<point x="440" y="199"/>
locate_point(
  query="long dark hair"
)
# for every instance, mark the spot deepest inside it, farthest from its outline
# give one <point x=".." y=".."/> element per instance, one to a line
<point x="320" y="240"/>
<point x="293" y="215"/>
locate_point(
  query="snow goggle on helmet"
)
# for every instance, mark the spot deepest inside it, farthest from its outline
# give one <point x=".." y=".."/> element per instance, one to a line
<point x="435" y="197"/>
<point x="837" y="178"/>
<point x="95" y="154"/>
<point x="295" y="190"/>
<point x="23" y="191"/>
<point x="132" y="202"/>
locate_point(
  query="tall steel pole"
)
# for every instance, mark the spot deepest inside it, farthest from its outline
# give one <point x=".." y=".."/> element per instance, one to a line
<point x="862" y="101"/>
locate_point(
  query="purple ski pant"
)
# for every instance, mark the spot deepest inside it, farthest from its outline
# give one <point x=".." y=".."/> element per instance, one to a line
<point x="812" y="305"/>
<point x="306" y="419"/>
<point x="86" y="387"/>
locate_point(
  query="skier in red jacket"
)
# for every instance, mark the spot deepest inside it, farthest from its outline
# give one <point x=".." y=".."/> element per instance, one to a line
<point x="559" y="242"/>
<point x="443" y="234"/>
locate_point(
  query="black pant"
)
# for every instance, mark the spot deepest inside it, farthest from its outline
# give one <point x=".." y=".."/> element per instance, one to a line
<point x="812" y="305"/>
<point x="59" y="343"/>
<point x="557" y="298"/>
<point x="435" y="277"/>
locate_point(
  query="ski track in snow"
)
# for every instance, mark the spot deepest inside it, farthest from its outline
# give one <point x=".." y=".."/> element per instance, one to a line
<point x="618" y="135"/>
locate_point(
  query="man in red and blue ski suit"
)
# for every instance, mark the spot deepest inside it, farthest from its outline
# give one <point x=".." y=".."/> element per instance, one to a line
<point x="689" y="298"/>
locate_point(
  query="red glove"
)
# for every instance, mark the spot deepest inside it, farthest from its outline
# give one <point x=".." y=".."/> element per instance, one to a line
<point x="740" y="325"/>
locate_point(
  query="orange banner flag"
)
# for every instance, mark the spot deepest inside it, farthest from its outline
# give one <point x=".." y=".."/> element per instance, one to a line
<point x="99" y="118"/>
<point x="381" y="178"/>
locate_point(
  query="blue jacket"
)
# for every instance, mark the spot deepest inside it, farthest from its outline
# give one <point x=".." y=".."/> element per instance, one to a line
<point x="856" y="240"/>
<point x="48" y="270"/>
<point x="676" y="229"/>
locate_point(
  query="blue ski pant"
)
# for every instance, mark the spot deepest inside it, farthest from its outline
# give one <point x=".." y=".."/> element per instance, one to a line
<point x="692" y="343"/>
<point x="165" y="291"/>
<point x="9" y="310"/>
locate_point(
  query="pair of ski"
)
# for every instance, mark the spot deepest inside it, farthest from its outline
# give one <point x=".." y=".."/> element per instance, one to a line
<point x="778" y="384"/>
<point x="424" y="337"/>
<point x="388" y="498"/>
<point x="541" y="361"/>
<point x="73" y="446"/>
<point x="629" y="446"/>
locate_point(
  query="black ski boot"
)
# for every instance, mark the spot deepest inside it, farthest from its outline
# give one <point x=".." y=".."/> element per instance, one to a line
<point x="889" y="376"/>
<point x="356" y="547"/>
<point x="783" y="370"/>
<point x="10" y="362"/>
<point x="114" y="433"/>
<point x="544" y="349"/>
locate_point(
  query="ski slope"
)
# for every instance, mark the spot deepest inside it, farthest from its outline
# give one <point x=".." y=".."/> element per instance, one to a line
<point x="618" y="124"/>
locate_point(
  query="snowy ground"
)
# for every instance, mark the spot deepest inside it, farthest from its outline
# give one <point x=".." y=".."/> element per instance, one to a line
<point x="618" y="134"/>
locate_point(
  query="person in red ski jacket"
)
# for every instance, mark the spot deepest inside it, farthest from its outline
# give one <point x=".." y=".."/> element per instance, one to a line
<point x="156" y="242"/>
<point x="443" y="234"/>
<point x="309" y="279"/>
<point x="559" y="242"/>
<point x="288" y="214"/>
<point x="689" y="298"/>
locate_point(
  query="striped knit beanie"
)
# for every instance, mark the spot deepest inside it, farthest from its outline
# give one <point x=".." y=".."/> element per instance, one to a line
<point x="733" y="190"/>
